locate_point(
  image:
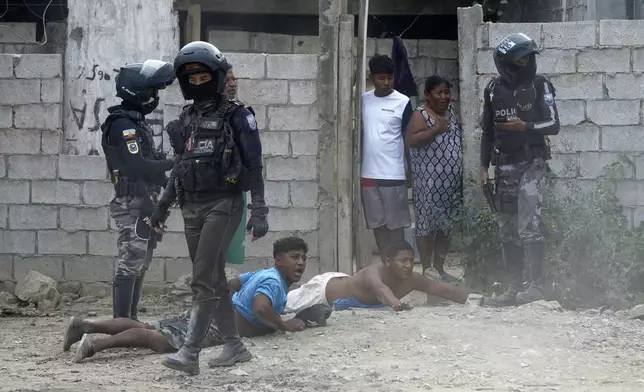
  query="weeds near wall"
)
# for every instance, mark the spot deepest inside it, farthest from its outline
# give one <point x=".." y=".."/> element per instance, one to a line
<point x="594" y="258"/>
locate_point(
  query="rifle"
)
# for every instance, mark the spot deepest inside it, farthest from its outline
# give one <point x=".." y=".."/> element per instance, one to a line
<point x="488" y="192"/>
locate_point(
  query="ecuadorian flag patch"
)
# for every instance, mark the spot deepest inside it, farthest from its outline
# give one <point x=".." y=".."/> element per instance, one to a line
<point x="129" y="134"/>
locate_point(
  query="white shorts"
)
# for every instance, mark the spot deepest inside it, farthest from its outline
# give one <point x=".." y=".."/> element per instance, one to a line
<point x="310" y="293"/>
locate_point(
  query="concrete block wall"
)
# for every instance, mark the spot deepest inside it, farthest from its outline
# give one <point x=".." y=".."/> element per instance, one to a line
<point x="20" y="38"/>
<point x="596" y="68"/>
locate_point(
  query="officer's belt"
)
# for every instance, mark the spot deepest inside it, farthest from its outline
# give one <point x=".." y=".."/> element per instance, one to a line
<point x="127" y="188"/>
<point x="525" y="155"/>
<point x="202" y="197"/>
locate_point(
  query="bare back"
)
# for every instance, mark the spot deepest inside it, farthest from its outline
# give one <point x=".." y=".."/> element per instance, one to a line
<point x="361" y="286"/>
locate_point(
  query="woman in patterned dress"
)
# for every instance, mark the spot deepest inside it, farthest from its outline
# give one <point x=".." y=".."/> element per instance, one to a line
<point x="433" y="137"/>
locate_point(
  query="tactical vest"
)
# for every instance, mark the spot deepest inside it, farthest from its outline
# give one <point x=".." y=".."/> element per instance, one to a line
<point x="127" y="181"/>
<point x="210" y="162"/>
<point x="522" y="103"/>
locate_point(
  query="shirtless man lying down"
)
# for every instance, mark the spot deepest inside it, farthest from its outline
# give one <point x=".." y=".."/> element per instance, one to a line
<point x="376" y="286"/>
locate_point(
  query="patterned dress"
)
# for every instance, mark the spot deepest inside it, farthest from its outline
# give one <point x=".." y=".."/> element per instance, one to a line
<point x="437" y="171"/>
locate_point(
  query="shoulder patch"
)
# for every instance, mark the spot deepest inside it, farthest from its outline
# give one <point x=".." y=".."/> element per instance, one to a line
<point x="549" y="99"/>
<point x="129" y="133"/>
<point x="132" y="146"/>
<point x="252" y="123"/>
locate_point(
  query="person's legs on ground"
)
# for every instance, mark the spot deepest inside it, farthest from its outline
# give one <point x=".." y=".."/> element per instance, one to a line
<point x="130" y="338"/>
<point x="78" y="327"/>
<point x="529" y="221"/>
<point x="131" y="254"/>
<point x="508" y="177"/>
<point x="215" y="220"/>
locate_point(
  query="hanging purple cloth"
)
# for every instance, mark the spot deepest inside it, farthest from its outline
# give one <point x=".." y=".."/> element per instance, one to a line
<point x="403" y="79"/>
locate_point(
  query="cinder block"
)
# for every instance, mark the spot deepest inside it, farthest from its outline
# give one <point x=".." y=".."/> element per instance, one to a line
<point x="604" y="60"/>
<point x="83" y="218"/>
<point x="51" y="90"/>
<point x="624" y="86"/>
<point x="564" y="165"/>
<point x="638" y="217"/>
<point x="19" y="92"/>
<point x="621" y="32"/>
<point x="304" y="193"/>
<point x="447" y="69"/>
<point x="38" y="66"/>
<point x="260" y="117"/>
<point x="14" y="141"/>
<point x="571" y="112"/>
<point x="27" y="217"/>
<point x="19" y="242"/>
<point x="304" y="143"/>
<point x="14" y="192"/>
<point x="264" y="247"/>
<point x="103" y="243"/>
<point x="6" y="117"/>
<point x="438" y="49"/>
<point x="4" y="216"/>
<point x="46" y="116"/>
<point x="51" y="142"/>
<point x="271" y="43"/>
<point x="613" y="112"/>
<point x="292" y="66"/>
<point x="248" y="65"/>
<point x="498" y="31"/>
<point x="17" y="32"/>
<point x="371" y="48"/>
<point x="55" y="192"/>
<point x="411" y="45"/>
<point x="592" y="164"/>
<point x="173" y="245"/>
<point x="276" y="194"/>
<point x="263" y="92"/>
<point x="280" y="219"/>
<point x="76" y="167"/>
<point x="628" y="138"/>
<point x="89" y="268"/>
<point x="3" y="167"/>
<point x="176" y="268"/>
<point x="6" y="66"/>
<point x="638" y="60"/>
<point x="51" y="266"/>
<point x="384" y="46"/>
<point x="627" y="193"/>
<point x="275" y="143"/>
<point x="287" y="169"/>
<point x="35" y="167"/>
<point x="97" y="192"/>
<point x="306" y="44"/>
<point x="22" y="48"/>
<point x="569" y="35"/>
<point x="554" y="61"/>
<point x="60" y="242"/>
<point x="578" y="86"/>
<point x="295" y="118"/>
<point x="230" y="41"/>
<point x="156" y="270"/>
<point x="302" y="92"/>
<point x="175" y="221"/>
<point x="485" y="62"/>
<point x="6" y="266"/>
<point x="582" y="137"/>
<point x="419" y="67"/>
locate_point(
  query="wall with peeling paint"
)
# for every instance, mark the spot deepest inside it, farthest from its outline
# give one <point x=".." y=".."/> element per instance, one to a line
<point x="103" y="35"/>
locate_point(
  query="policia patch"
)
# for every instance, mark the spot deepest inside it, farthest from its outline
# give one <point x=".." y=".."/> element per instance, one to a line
<point x="132" y="147"/>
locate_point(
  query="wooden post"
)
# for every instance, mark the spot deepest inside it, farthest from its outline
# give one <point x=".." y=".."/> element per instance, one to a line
<point x="193" y="24"/>
<point x="362" y="245"/>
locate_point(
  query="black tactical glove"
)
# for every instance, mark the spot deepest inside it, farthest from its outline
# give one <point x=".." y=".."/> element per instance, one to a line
<point x="257" y="224"/>
<point x="159" y="215"/>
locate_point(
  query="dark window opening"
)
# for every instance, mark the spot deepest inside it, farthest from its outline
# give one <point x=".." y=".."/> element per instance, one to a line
<point x="32" y="11"/>
<point x="444" y="27"/>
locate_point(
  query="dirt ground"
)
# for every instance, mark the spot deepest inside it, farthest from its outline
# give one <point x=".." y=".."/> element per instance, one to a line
<point x="438" y="348"/>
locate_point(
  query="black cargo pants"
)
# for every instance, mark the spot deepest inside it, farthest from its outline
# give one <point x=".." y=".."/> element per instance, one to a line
<point x="209" y="228"/>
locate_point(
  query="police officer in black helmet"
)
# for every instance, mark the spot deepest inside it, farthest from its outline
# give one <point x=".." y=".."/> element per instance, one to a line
<point x="519" y="114"/>
<point x="219" y="157"/>
<point x="137" y="172"/>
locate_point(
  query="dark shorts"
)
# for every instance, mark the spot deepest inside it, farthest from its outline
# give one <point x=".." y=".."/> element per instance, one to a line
<point x="175" y="329"/>
<point x="385" y="206"/>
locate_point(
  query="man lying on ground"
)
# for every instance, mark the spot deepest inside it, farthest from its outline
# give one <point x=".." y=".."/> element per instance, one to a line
<point x="259" y="298"/>
<point x="375" y="286"/>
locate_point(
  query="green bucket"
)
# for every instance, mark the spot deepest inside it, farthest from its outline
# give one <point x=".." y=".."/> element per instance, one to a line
<point x="236" y="252"/>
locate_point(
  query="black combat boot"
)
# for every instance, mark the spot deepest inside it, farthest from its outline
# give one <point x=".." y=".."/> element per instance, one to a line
<point x="234" y="350"/>
<point x="122" y="294"/>
<point x="187" y="358"/>
<point x="535" y="260"/>
<point x="513" y="258"/>
<point x="315" y="316"/>
<point x="136" y="296"/>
